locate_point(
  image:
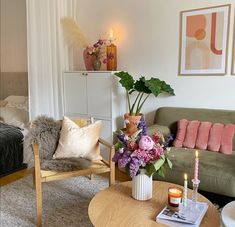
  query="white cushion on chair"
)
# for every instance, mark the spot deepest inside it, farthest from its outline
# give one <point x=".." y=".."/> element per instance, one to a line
<point x="76" y="142"/>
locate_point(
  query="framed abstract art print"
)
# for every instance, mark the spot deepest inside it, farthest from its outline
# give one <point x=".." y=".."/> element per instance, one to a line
<point x="204" y="41"/>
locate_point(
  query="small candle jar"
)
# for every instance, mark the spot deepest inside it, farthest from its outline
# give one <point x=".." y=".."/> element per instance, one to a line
<point x="174" y="196"/>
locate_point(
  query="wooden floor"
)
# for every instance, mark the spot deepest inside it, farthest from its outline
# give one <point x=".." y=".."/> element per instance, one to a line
<point x="120" y="176"/>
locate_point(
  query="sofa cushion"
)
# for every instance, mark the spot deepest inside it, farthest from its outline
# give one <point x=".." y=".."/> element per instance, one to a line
<point x="181" y="132"/>
<point x="227" y="139"/>
<point x="203" y="135"/>
<point x="164" y="130"/>
<point x="191" y="134"/>
<point x="216" y="170"/>
<point x="215" y="137"/>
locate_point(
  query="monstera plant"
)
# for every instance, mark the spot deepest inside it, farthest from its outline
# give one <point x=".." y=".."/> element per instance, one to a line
<point x="142" y="88"/>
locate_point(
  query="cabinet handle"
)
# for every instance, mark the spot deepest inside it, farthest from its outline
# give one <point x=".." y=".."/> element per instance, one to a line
<point x="85" y="74"/>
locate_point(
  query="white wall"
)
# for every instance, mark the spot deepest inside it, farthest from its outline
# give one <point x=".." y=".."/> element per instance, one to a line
<point x="13" y="36"/>
<point x="148" y="44"/>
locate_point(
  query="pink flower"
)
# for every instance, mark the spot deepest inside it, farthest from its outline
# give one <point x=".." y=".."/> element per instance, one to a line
<point x="142" y="155"/>
<point x="157" y="151"/>
<point x="132" y="145"/>
<point x="146" y="143"/>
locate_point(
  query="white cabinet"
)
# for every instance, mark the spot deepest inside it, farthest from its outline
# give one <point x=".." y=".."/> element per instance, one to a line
<point x="95" y="94"/>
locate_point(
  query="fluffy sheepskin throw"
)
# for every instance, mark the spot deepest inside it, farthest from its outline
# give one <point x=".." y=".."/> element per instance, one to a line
<point x="45" y="131"/>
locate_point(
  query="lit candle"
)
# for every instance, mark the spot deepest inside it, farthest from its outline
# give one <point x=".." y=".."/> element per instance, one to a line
<point x="196" y="166"/>
<point x="111" y="35"/>
<point x="185" y="189"/>
<point x="111" y="52"/>
<point x="174" y="196"/>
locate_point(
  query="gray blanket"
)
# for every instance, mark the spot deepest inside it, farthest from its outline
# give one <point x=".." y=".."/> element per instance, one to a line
<point x="45" y="131"/>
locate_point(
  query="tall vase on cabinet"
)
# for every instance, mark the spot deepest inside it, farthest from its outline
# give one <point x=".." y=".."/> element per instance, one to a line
<point x="142" y="186"/>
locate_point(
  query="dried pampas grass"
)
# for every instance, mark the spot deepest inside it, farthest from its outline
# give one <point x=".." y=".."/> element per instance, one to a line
<point x="73" y="34"/>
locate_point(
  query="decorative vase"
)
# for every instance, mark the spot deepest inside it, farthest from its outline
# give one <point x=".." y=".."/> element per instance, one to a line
<point x="131" y="123"/>
<point x="142" y="186"/>
<point x="96" y="64"/>
<point x="88" y="59"/>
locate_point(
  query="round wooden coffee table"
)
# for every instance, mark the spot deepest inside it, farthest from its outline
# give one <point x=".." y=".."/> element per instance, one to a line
<point x="114" y="206"/>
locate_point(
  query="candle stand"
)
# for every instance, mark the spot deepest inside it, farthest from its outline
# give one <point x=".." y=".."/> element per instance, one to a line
<point x="196" y="183"/>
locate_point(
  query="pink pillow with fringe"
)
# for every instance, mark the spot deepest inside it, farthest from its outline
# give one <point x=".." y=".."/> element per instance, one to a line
<point x="227" y="139"/>
<point x="203" y="135"/>
<point x="191" y="134"/>
<point x="181" y="131"/>
<point x="215" y="137"/>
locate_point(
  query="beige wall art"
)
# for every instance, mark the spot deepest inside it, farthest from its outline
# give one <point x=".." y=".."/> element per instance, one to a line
<point x="203" y="41"/>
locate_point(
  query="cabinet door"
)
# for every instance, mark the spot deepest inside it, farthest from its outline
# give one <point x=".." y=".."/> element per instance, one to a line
<point x="75" y="94"/>
<point x="99" y="95"/>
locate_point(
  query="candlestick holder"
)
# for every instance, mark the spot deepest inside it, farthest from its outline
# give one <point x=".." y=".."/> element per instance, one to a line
<point x="196" y="183"/>
<point x="184" y="209"/>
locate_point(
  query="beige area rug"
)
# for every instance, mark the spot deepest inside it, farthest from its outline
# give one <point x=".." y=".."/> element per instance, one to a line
<point x="65" y="203"/>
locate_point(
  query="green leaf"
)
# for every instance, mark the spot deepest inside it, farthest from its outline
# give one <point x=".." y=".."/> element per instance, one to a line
<point x="141" y="87"/>
<point x="118" y="145"/>
<point x="161" y="172"/>
<point x="150" y="169"/>
<point x="126" y="80"/>
<point x="157" y="165"/>
<point x="157" y="86"/>
<point x="169" y="163"/>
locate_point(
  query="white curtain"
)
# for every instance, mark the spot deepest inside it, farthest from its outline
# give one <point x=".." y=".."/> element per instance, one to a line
<point x="47" y="54"/>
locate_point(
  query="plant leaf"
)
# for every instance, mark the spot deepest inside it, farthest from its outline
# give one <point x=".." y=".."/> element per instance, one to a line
<point x="141" y="87"/>
<point x="118" y="145"/>
<point x="150" y="169"/>
<point x="158" y="86"/>
<point x="169" y="163"/>
<point x="126" y="80"/>
<point x="161" y="172"/>
<point x="157" y="165"/>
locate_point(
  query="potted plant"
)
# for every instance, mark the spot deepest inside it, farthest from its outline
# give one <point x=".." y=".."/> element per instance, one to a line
<point x="144" y="88"/>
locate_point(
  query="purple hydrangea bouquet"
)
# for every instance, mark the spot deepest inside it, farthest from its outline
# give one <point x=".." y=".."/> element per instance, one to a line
<point x="142" y="151"/>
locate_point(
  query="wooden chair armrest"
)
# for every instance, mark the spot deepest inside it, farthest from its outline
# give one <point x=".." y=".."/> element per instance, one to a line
<point x="111" y="154"/>
<point x="36" y="157"/>
<point x="105" y="143"/>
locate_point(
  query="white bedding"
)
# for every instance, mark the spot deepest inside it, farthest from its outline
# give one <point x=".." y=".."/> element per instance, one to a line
<point x="15" y="112"/>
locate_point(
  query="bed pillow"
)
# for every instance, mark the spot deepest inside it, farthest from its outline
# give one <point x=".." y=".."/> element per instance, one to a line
<point x="227" y="139"/>
<point x="20" y="102"/>
<point x="203" y="135"/>
<point x="14" y="116"/>
<point x="3" y="103"/>
<point x="181" y="132"/>
<point x="77" y="142"/>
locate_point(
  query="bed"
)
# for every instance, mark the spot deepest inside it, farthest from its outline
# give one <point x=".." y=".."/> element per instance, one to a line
<point x="13" y="128"/>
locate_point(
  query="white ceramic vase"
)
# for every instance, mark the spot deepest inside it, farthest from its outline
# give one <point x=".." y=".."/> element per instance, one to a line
<point x="142" y="186"/>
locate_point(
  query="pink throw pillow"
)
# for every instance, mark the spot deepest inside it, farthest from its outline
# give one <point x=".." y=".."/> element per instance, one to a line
<point x="227" y="139"/>
<point x="181" y="131"/>
<point x="203" y="135"/>
<point x="191" y="134"/>
<point x="215" y="137"/>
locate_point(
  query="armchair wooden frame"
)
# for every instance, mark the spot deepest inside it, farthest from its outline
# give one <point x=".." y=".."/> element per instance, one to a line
<point x="41" y="176"/>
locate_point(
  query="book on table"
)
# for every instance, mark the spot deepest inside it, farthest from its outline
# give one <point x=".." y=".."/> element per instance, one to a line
<point x="172" y="218"/>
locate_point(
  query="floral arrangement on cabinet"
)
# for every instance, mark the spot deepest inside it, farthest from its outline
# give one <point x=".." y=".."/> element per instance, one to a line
<point x="142" y="151"/>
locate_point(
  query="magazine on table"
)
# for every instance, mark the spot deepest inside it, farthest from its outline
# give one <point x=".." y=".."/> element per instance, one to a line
<point x="193" y="218"/>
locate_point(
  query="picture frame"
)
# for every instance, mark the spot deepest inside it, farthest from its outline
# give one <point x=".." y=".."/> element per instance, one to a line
<point x="233" y="52"/>
<point x="204" y="37"/>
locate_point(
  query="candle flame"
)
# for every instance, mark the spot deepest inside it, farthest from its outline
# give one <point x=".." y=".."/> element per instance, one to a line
<point x="185" y="176"/>
<point x="111" y="34"/>
<point x="196" y="153"/>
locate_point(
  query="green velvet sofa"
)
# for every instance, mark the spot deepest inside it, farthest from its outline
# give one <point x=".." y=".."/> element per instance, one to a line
<point x="216" y="170"/>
